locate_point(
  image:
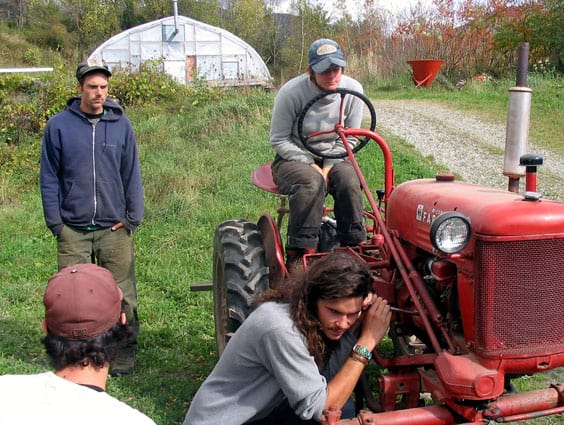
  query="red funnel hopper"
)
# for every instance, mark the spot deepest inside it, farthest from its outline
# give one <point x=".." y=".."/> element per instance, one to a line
<point x="425" y="71"/>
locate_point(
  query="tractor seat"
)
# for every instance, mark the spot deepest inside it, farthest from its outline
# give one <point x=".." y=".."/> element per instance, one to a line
<point x="262" y="178"/>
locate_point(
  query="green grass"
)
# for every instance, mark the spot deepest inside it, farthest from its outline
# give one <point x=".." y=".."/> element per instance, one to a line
<point x="196" y="164"/>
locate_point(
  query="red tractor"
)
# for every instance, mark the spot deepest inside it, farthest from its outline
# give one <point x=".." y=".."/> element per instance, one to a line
<point x="474" y="274"/>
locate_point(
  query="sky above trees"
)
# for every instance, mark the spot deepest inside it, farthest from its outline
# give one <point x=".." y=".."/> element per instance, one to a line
<point x="353" y="7"/>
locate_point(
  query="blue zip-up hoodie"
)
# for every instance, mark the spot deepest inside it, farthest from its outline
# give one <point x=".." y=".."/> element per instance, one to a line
<point x="89" y="172"/>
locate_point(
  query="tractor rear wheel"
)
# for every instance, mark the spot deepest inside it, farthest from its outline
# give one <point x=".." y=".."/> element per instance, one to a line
<point x="239" y="274"/>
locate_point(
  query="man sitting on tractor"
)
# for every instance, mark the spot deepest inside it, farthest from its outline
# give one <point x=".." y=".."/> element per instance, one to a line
<point x="305" y="177"/>
<point x="300" y="352"/>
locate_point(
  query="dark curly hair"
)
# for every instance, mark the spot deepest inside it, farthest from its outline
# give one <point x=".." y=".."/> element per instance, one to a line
<point x="96" y="352"/>
<point x="337" y="275"/>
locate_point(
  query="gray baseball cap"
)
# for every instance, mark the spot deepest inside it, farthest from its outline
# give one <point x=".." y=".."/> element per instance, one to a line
<point x="324" y="53"/>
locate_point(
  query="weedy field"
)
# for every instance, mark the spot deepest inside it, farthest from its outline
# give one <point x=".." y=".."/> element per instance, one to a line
<point x="196" y="163"/>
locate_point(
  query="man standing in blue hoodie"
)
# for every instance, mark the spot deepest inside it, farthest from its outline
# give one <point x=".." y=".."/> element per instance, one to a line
<point x="91" y="189"/>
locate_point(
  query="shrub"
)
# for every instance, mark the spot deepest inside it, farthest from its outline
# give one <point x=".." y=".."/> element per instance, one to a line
<point x="18" y="114"/>
<point x="29" y="102"/>
<point x="151" y="84"/>
<point x="143" y="87"/>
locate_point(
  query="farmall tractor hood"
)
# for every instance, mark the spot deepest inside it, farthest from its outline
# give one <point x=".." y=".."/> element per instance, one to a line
<point x="414" y="205"/>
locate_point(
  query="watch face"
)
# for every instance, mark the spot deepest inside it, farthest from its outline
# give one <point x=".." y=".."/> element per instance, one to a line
<point x="363" y="351"/>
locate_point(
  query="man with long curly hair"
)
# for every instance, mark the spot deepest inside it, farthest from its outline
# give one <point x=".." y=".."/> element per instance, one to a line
<point x="301" y="351"/>
<point x="85" y="330"/>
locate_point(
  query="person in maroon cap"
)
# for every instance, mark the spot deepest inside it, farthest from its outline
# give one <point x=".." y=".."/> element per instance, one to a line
<point x="85" y="328"/>
<point x="91" y="189"/>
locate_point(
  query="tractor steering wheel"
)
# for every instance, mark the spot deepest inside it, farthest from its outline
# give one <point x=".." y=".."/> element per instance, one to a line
<point x="306" y="139"/>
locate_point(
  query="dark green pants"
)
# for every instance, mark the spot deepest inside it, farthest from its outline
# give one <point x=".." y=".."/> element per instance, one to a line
<point x="112" y="250"/>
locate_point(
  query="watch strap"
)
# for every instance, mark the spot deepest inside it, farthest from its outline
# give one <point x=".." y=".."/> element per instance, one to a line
<point x="359" y="358"/>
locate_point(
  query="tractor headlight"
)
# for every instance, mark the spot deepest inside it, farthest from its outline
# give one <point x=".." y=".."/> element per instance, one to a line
<point x="451" y="232"/>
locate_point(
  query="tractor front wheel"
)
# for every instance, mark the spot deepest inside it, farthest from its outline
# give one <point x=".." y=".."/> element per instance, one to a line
<point x="239" y="274"/>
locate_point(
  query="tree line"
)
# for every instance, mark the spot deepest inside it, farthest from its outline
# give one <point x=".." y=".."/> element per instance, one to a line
<point x="471" y="36"/>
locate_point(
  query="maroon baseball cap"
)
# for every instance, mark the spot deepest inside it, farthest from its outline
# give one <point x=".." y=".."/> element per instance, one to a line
<point x="82" y="301"/>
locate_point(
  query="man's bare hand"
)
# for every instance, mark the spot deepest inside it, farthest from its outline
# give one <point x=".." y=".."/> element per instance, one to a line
<point x="117" y="226"/>
<point x="375" y="322"/>
<point x="317" y="168"/>
<point x="323" y="171"/>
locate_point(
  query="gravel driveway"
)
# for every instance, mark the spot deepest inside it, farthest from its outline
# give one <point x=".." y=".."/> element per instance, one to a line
<point x="464" y="143"/>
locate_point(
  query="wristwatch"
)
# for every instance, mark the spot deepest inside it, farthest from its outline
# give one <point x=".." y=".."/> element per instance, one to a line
<point x="362" y="351"/>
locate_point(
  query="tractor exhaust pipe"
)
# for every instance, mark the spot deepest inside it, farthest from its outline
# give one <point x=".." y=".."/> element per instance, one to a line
<point x="518" y="117"/>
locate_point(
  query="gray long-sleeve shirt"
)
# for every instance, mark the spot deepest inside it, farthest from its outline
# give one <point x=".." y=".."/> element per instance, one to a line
<point x="266" y="361"/>
<point x="289" y="103"/>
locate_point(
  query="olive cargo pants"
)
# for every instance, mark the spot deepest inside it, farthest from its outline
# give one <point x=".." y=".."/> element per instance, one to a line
<point x="112" y="250"/>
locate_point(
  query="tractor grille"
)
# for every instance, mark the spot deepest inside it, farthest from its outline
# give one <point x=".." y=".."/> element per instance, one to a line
<point x="519" y="301"/>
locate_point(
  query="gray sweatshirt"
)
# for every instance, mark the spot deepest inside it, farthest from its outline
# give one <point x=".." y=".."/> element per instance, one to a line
<point x="266" y="361"/>
<point x="289" y="103"/>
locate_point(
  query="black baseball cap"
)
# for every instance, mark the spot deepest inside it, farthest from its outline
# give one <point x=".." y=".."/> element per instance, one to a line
<point x="91" y="66"/>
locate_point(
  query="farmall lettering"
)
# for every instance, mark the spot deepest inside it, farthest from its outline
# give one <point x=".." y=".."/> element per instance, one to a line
<point x="427" y="215"/>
